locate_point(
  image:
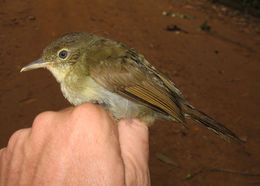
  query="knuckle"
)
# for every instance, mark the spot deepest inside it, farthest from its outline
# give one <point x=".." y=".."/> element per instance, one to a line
<point x="18" y="136"/>
<point x="86" y="110"/>
<point x="89" y="116"/>
<point x="43" y="119"/>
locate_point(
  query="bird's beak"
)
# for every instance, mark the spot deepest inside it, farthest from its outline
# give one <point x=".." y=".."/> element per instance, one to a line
<point x="40" y="63"/>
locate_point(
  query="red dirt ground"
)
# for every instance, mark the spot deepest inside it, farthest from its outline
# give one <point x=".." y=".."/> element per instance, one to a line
<point x="218" y="72"/>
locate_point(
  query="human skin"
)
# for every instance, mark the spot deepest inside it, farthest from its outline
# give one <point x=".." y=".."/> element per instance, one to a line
<point x="77" y="146"/>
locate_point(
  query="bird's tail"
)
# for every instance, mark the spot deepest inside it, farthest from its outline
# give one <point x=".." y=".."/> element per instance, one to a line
<point x="210" y="123"/>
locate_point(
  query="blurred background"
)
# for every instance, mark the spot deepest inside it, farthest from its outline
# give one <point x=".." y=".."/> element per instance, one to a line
<point x="209" y="49"/>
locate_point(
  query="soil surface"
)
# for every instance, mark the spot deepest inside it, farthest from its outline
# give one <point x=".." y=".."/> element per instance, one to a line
<point x="217" y="67"/>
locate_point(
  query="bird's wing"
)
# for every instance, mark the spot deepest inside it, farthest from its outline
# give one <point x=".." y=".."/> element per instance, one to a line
<point x="122" y="70"/>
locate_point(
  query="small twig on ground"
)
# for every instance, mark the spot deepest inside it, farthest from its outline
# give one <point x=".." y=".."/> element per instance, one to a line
<point x="190" y="176"/>
<point x="165" y="159"/>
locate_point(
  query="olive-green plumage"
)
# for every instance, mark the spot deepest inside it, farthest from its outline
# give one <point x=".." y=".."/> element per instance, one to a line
<point x="97" y="70"/>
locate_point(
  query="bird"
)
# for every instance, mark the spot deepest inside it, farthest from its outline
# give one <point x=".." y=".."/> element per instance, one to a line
<point x="93" y="69"/>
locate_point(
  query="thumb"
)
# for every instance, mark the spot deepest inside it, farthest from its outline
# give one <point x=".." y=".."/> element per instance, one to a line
<point x="134" y="144"/>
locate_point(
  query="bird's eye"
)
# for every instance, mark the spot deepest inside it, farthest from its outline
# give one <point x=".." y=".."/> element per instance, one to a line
<point x="63" y="54"/>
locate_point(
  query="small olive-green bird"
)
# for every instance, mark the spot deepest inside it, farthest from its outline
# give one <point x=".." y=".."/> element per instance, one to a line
<point x="109" y="73"/>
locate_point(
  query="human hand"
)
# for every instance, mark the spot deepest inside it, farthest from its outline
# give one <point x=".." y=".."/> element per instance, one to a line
<point x="77" y="146"/>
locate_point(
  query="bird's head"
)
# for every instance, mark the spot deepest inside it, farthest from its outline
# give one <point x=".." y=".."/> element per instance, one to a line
<point x="60" y="56"/>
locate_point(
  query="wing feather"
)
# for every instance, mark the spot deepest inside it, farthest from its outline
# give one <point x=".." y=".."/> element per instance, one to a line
<point x="125" y="72"/>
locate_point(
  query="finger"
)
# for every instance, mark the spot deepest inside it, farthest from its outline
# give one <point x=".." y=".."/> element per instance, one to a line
<point x="11" y="158"/>
<point x="93" y="121"/>
<point x="93" y="138"/>
<point x="134" y="143"/>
